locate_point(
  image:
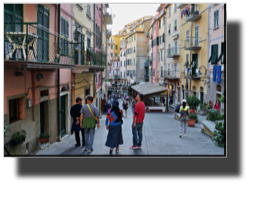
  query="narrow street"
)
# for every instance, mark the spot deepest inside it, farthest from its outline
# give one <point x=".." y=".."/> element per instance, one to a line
<point x="160" y="137"/>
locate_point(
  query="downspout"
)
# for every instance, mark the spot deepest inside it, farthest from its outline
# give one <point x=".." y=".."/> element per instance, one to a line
<point x="191" y="54"/>
<point x="94" y="73"/>
<point x="58" y="78"/>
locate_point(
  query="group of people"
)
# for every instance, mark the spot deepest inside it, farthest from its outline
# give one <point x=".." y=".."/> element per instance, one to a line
<point x="86" y="118"/>
<point x="216" y="106"/>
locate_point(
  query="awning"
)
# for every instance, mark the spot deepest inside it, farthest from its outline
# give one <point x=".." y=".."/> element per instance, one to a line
<point x="148" y="88"/>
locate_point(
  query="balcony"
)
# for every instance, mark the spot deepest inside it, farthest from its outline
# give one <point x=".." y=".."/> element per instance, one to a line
<point x="173" y="52"/>
<point x="115" y="58"/>
<point x="173" y="75"/>
<point x="192" y="44"/>
<point x="109" y="33"/>
<point x="32" y="46"/>
<point x="193" y="14"/>
<point x="108" y="18"/>
<point x="146" y="64"/>
<point x="180" y="6"/>
<point x="146" y="77"/>
<point x="189" y="73"/>
<point x="87" y="60"/>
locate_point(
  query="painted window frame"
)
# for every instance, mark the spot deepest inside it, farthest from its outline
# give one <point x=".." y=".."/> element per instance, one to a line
<point x="215" y="26"/>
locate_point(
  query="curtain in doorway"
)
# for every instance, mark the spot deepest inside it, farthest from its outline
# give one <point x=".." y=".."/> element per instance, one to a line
<point x="214" y="73"/>
<point x="219" y="74"/>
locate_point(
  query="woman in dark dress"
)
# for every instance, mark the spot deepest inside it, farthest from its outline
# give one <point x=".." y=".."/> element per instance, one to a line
<point x="114" y="118"/>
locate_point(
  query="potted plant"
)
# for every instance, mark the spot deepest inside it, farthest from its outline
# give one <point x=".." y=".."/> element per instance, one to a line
<point x="43" y="138"/>
<point x="147" y="109"/>
<point x="213" y="114"/>
<point x="18" y="137"/>
<point x="193" y="101"/>
<point x="191" y="119"/>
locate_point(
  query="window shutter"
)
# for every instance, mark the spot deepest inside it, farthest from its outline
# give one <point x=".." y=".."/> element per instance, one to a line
<point x="163" y="37"/>
<point x="157" y="40"/>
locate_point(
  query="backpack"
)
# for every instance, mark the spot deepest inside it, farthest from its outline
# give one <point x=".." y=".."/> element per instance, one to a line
<point x="177" y="108"/>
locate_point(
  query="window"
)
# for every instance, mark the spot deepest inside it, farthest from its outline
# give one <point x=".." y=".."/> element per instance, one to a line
<point x="169" y="11"/>
<point x="121" y="63"/>
<point x="168" y="49"/>
<point x="134" y="73"/>
<point x="164" y="21"/>
<point x="116" y="55"/>
<point x="124" y="63"/>
<point x="222" y="54"/>
<point x="111" y="46"/>
<point x="134" y="50"/>
<point x="175" y="8"/>
<point x="159" y="23"/>
<point x="15" y="109"/>
<point x="142" y="26"/>
<point x="161" y="72"/>
<point x="124" y="74"/>
<point x="134" y="37"/>
<point x="134" y="62"/>
<point x="161" y="55"/>
<point x="111" y="55"/>
<point x="116" y="47"/>
<point x="13" y="13"/>
<point x="158" y="56"/>
<point x="168" y="69"/>
<point x="169" y="27"/>
<point x="88" y="40"/>
<point x="216" y="19"/>
<point x="187" y="60"/>
<point x="175" y="25"/>
<point x="88" y="10"/>
<point x="196" y="42"/>
<point x="214" y="54"/>
<point x="187" y="36"/>
<point x="65" y="36"/>
<point x="175" y="47"/>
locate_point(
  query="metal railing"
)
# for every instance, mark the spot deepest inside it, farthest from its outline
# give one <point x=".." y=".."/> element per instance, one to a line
<point x="175" y="51"/>
<point x="115" y="58"/>
<point x="192" y="42"/>
<point x="90" y="58"/>
<point x="191" y="73"/>
<point x="33" y="42"/>
<point x="172" y="74"/>
<point x="193" y="10"/>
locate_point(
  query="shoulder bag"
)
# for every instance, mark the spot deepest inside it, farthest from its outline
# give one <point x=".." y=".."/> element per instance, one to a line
<point x="92" y="113"/>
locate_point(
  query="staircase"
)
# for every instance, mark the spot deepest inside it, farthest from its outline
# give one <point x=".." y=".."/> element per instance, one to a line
<point x="174" y="105"/>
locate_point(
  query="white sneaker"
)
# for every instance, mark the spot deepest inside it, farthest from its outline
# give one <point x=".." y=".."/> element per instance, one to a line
<point x="185" y="135"/>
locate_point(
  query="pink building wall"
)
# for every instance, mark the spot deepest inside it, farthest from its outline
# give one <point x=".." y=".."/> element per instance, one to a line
<point x="155" y="51"/>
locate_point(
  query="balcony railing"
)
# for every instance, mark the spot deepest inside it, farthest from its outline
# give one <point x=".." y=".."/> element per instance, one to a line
<point x="193" y="14"/>
<point x="115" y="58"/>
<point x="180" y="6"/>
<point x="90" y="58"/>
<point x="173" y="52"/>
<point x="191" y="73"/>
<point x="172" y="74"/>
<point x="32" y="42"/>
<point x="192" y="43"/>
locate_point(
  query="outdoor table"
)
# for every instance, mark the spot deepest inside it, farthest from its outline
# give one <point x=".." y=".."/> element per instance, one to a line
<point x="19" y="46"/>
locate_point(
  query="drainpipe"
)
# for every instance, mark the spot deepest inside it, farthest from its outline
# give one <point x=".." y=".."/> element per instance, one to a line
<point x="94" y="31"/>
<point x="191" y="54"/>
<point x="58" y="79"/>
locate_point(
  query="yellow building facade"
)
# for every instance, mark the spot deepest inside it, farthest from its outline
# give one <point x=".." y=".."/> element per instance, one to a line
<point x="193" y="55"/>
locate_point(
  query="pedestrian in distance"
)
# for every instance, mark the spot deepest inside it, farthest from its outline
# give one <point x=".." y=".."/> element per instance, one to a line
<point x="134" y="102"/>
<point x="75" y="113"/>
<point x="139" y="114"/>
<point x="125" y="107"/>
<point x="217" y="106"/>
<point x="114" y="119"/>
<point x="209" y="106"/>
<point x="88" y="119"/>
<point x="184" y="110"/>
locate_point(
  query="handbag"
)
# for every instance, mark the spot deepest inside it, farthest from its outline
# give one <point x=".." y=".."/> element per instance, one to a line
<point x="92" y="113"/>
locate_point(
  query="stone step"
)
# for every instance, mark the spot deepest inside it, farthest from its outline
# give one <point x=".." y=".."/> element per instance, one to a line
<point x="209" y="127"/>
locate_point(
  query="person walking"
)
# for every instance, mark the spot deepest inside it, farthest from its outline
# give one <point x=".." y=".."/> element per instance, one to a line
<point x="125" y="107"/>
<point x="88" y="119"/>
<point x="133" y="104"/>
<point x="184" y="110"/>
<point x="75" y="113"/>
<point x="114" y="118"/>
<point x="138" y="117"/>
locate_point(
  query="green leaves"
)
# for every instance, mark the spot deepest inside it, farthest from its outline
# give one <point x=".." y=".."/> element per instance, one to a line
<point x="193" y="101"/>
<point x="219" y="134"/>
<point x="213" y="114"/>
<point x="19" y="136"/>
<point x="44" y="136"/>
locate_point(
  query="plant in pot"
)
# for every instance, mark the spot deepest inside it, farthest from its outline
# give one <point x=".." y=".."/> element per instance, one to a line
<point x="213" y="114"/>
<point x="193" y="102"/>
<point x="191" y="119"/>
<point x="147" y="109"/>
<point x="18" y="137"/>
<point x="44" y="137"/>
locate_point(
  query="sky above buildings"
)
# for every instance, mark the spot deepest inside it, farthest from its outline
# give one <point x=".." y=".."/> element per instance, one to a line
<point x="126" y="13"/>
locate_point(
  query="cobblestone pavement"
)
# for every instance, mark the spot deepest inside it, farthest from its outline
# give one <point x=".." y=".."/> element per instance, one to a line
<point x="160" y="137"/>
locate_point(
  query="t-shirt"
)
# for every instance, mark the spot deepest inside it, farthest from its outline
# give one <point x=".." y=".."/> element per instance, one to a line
<point x="125" y="106"/>
<point x="88" y="120"/>
<point x="75" y="111"/>
<point x="139" y="112"/>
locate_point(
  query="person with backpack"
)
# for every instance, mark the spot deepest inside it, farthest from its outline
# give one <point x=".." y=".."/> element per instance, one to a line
<point x="185" y="111"/>
<point x="114" y="118"/>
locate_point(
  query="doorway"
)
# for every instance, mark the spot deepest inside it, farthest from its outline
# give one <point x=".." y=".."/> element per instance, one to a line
<point x="63" y="118"/>
<point x="44" y="123"/>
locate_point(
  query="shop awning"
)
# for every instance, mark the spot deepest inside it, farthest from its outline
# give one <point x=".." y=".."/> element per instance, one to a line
<point x="148" y="88"/>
